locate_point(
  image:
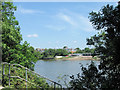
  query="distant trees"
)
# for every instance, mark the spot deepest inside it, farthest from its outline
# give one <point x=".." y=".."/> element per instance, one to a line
<point x="107" y="43"/>
<point x="61" y="52"/>
<point x="48" y="53"/>
<point x="65" y="47"/>
<point x="85" y="50"/>
<point x="78" y="50"/>
<point x="51" y="53"/>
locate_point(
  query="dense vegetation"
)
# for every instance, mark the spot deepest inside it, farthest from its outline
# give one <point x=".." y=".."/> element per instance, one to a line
<point x="85" y="50"/>
<point x="34" y="79"/>
<point x="51" y="53"/>
<point x="12" y="49"/>
<point x="107" y="22"/>
<point x="15" y="52"/>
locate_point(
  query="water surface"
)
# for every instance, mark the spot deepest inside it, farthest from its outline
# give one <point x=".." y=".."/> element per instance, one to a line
<point x="54" y="68"/>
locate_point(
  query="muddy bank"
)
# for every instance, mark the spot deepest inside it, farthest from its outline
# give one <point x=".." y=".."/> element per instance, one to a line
<point x="81" y="58"/>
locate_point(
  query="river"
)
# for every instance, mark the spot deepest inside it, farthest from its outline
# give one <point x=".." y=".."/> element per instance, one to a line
<point x="54" y="68"/>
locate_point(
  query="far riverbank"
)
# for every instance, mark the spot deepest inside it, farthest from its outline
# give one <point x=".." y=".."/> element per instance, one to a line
<point x="79" y="58"/>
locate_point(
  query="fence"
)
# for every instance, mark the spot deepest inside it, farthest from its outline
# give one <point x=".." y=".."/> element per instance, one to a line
<point x="27" y="73"/>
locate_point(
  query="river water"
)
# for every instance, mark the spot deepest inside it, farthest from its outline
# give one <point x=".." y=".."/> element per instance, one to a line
<point x="53" y="69"/>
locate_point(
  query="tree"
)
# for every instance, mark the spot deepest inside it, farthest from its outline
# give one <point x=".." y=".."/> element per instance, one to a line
<point x="61" y="52"/>
<point x="12" y="49"/>
<point x="107" y="22"/>
<point x="65" y="47"/>
<point x="85" y="50"/>
<point x="78" y="50"/>
<point x="51" y="53"/>
<point x="107" y="42"/>
<point x="89" y="79"/>
<point x="48" y="53"/>
<point x="10" y="30"/>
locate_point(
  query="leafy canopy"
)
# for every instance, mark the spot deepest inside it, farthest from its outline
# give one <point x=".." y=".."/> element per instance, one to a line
<point x="107" y="22"/>
<point x="12" y="49"/>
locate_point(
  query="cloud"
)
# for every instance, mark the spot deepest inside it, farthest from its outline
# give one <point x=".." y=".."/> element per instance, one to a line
<point x="56" y="27"/>
<point x="66" y="18"/>
<point x="32" y="35"/>
<point x="57" y="42"/>
<point x="74" y="41"/>
<point x="85" y="24"/>
<point x="29" y="11"/>
<point x="73" y="22"/>
<point x="76" y="21"/>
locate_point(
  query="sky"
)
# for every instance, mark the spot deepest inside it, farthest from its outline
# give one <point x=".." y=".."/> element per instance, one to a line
<point x="56" y="24"/>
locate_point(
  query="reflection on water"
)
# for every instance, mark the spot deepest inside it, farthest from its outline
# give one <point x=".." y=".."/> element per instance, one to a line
<point x="54" y="68"/>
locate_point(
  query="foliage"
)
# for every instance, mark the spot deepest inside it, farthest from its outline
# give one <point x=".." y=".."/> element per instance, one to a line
<point x="78" y="50"/>
<point x="17" y="83"/>
<point x="15" y="52"/>
<point x="64" y="79"/>
<point x="12" y="49"/>
<point x="61" y="52"/>
<point x="51" y="53"/>
<point x="90" y="78"/>
<point x="85" y="50"/>
<point x="38" y="54"/>
<point x="107" y="22"/>
<point x="48" y="53"/>
<point x="65" y="47"/>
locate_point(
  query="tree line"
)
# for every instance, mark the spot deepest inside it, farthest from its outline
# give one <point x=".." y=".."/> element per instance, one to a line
<point x="51" y="53"/>
<point x="85" y="50"/>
